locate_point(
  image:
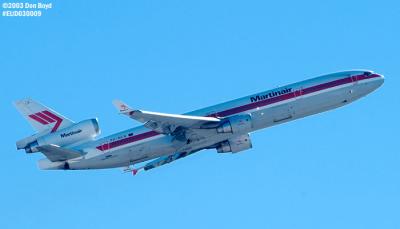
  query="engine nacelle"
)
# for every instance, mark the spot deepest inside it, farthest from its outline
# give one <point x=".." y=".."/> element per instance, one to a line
<point x="235" y="144"/>
<point x="75" y="134"/>
<point x="236" y="124"/>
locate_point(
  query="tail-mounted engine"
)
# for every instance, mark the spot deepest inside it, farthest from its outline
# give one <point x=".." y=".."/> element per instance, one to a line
<point x="74" y="134"/>
<point x="236" y="124"/>
<point x="235" y="144"/>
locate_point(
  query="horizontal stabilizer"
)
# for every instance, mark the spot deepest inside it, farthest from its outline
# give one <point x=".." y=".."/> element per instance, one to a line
<point x="56" y="153"/>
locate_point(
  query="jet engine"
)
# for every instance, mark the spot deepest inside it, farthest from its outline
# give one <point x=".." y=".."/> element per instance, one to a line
<point x="236" y="124"/>
<point x="235" y="144"/>
<point x="75" y="134"/>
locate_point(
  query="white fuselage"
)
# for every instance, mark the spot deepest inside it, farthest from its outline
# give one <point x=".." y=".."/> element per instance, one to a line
<point x="267" y="108"/>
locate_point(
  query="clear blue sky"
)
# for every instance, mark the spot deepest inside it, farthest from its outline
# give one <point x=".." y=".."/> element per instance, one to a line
<point x="339" y="169"/>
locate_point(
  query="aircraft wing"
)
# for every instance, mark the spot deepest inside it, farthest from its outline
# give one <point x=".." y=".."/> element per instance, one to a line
<point x="162" y="122"/>
<point x="57" y="153"/>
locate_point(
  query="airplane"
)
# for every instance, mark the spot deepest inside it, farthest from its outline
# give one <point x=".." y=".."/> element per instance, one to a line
<point x="164" y="138"/>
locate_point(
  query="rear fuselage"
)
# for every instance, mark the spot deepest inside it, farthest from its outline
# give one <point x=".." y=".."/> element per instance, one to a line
<point x="267" y="108"/>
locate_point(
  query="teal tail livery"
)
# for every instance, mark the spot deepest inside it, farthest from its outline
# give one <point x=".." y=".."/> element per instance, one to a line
<point x="163" y="138"/>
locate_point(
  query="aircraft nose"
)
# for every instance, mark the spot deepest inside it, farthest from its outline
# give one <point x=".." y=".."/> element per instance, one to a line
<point x="381" y="79"/>
<point x="377" y="81"/>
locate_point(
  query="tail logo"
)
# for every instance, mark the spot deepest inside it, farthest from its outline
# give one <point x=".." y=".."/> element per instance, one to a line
<point x="46" y="117"/>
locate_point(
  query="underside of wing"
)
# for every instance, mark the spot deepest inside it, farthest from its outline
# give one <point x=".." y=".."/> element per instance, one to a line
<point x="165" y="123"/>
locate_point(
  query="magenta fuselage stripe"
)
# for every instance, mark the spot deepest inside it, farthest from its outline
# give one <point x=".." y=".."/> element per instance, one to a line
<point x="246" y="107"/>
<point x="133" y="139"/>
<point x="127" y="140"/>
<point x="250" y="106"/>
<point x="326" y="85"/>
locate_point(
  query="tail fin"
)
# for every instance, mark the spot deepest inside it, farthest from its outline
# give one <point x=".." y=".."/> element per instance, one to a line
<point x="42" y="118"/>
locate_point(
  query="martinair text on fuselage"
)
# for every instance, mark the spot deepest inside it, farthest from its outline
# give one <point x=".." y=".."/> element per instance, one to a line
<point x="164" y="138"/>
<point x="270" y="94"/>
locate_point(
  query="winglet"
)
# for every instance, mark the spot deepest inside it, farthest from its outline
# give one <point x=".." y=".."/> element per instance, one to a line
<point x="121" y="106"/>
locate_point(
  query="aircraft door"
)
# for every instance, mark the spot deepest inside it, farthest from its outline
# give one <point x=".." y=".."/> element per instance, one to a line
<point x="298" y="93"/>
<point x="106" y="146"/>
<point x="298" y="103"/>
<point x="354" y="79"/>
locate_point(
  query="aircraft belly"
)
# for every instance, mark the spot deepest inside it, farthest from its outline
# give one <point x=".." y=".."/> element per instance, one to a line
<point x="150" y="149"/>
<point x="127" y="155"/>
